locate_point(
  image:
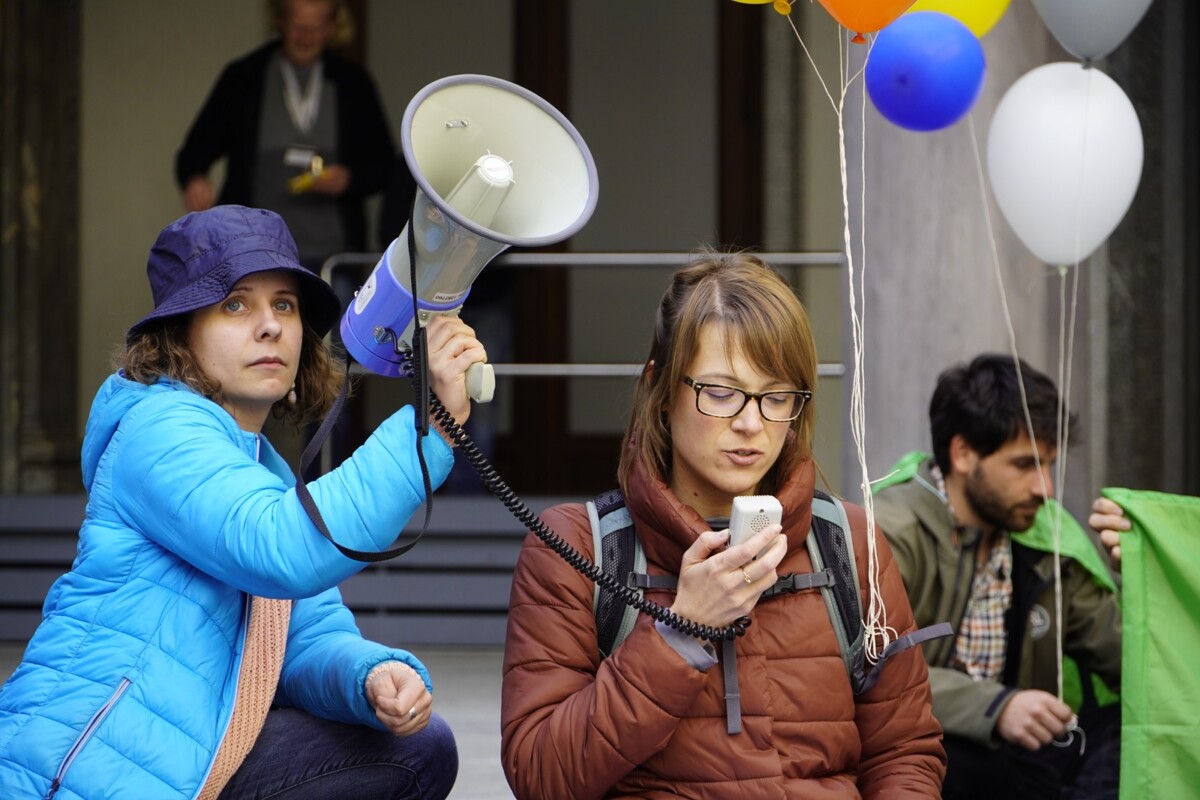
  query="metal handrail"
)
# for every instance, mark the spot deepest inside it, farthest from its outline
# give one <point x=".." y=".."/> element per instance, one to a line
<point x="625" y="259"/>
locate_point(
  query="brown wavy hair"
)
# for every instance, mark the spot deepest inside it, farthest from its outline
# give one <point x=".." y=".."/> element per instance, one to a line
<point x="161" y="349"/>
<point x="762" y="318"/>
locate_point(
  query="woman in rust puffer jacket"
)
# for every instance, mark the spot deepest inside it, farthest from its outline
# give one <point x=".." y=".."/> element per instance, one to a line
<point x="720" y="410"/>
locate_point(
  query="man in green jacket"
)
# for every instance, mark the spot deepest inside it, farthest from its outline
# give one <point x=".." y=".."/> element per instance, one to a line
<point x="973" y="529"/>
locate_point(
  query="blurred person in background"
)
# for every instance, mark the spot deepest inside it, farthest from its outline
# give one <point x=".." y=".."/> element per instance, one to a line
<point x="302" y="130"/>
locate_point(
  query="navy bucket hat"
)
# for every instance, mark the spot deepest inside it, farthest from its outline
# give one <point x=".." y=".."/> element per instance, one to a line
<point x="198" y="259"/>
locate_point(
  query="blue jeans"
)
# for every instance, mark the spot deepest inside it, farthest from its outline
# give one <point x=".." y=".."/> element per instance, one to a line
<point x="301" y="757"/>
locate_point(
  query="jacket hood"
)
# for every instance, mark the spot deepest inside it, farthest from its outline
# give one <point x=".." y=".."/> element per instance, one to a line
<point x="112" y="402"/>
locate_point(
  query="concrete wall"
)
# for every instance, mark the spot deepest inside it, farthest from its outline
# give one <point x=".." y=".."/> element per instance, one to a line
<point x="147" y="67"/>
<point x="644" y="97"/>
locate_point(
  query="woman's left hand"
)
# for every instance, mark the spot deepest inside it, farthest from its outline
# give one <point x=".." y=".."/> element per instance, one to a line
<point x="399" y="697"/>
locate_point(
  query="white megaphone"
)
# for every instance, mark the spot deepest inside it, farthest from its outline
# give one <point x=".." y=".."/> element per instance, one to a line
<point x="495" y="166"/>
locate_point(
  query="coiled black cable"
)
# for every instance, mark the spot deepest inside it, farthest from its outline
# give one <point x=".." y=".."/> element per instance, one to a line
<point x="498" y="487"/>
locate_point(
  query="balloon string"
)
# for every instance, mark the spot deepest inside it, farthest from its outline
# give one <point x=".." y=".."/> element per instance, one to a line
<point x="1066" y="350"/>
<point x="877" y="634"/>
<point x="817" y="72"/>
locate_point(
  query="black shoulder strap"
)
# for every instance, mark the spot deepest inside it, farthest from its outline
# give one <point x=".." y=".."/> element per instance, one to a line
<point x="310" y="505"/>
<point x="616" y="551"/>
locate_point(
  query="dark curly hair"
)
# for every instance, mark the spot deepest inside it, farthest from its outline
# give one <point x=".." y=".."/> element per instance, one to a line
<point x="160" y="349"/>
<point x="981" y="401"/>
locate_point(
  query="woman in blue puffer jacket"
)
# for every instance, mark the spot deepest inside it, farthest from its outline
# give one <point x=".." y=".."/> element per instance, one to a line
<point x="199" y="646"/>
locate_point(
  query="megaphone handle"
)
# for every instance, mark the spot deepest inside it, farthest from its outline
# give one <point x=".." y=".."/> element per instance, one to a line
<point x="421" y="365"/>
<point x="481" y="382"/>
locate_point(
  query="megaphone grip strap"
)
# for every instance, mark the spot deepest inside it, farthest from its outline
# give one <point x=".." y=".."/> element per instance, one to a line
<point x="310" y="505"/>
<point x="419" y="373"/>
<point x="419" y="366"/>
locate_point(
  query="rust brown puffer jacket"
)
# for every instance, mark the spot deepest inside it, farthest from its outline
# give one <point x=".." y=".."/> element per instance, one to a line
<point x="643" y="723"/>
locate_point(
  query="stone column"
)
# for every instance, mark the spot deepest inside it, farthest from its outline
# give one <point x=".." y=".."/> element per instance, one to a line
<point x="1148" y="375"/>
<point x="39" y="265"/>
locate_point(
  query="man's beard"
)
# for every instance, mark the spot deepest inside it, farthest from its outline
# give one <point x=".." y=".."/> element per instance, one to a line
<point x="990" y="508"/>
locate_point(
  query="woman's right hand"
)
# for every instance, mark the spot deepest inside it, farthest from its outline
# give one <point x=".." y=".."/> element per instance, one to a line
<point x="719" y="585"/>
<point x="452" y="349"/>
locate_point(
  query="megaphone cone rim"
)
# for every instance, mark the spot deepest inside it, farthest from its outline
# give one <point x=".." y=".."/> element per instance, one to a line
<point x="406" y="147"/>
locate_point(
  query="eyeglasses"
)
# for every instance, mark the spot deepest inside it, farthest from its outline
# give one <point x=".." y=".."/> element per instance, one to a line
<point x="715" y="400"/>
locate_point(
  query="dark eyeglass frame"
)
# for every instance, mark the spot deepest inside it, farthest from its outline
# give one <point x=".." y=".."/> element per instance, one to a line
<point x="804" y="394"/>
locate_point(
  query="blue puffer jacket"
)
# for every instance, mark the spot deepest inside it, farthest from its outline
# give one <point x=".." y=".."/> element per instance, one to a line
<point x="127" y="686"/>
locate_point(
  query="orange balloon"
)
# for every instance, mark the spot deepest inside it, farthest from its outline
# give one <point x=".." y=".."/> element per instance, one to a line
<point x="865" y="16"/>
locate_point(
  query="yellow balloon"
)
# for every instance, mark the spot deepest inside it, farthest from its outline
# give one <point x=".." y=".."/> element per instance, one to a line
<point x="782" y="6"/>
<point x="978" y="15"/>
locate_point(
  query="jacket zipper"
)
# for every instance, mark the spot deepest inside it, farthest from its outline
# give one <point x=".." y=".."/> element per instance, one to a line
<point x="237" y="677"/>
<point x="88" y="730"/>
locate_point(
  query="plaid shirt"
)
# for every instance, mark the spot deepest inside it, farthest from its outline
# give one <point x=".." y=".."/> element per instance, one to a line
<point x="982" y="638"/>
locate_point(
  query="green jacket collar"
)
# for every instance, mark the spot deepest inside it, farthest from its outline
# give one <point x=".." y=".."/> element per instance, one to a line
<point x="1073" y="541"/>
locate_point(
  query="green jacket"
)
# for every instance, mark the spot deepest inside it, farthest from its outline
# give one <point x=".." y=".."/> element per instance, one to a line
<point x="938" y="572"/>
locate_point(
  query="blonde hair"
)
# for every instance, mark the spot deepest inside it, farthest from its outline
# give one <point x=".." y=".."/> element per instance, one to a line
<point x="761" y="317"/>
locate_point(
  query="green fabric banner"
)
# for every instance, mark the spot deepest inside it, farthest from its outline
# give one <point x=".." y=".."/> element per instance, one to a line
<point x="1160" y="657"/>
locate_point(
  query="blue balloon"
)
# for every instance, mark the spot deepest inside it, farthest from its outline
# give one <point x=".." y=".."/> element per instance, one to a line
<point x="925" y="71"/>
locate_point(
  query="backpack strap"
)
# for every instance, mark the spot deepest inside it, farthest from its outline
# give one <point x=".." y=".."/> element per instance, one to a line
<point x="919" y="636"/>
<point x="799" y="581"/>
<point x="831" y="549"/>
<point x="616" y="551"/>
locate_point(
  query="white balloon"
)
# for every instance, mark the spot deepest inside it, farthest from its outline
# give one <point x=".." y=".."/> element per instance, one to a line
<point x="1064" y="156"/>
<point x="1091" y="29"/>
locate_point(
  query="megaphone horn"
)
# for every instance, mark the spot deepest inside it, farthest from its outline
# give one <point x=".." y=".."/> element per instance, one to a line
<point x="495" y="166"/>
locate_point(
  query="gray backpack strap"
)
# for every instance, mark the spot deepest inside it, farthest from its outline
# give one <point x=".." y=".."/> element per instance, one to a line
<point x="617" y="551"/>
<point x="831" y="547"/>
